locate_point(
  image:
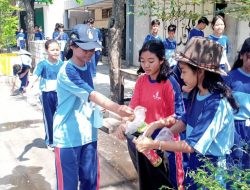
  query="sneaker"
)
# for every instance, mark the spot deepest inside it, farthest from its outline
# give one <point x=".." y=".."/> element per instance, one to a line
<point x="50" y="147"/>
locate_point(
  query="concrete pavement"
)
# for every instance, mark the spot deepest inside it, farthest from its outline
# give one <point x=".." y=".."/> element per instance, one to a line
<point x="26" y="163"/>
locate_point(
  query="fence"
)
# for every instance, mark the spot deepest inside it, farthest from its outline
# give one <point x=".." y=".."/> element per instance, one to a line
<point x="6" y="62"/>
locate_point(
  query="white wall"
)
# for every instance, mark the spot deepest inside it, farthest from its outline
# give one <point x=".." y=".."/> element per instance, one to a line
<point x="243" y="33"/>
<point x="53" y="14"/>
<point x="142" y="27"/>
<point x="236" y="30"/>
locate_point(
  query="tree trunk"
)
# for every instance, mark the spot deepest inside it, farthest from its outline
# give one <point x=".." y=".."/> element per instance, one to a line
<point x="116" y="26"/>
<point x="29" y="21"/>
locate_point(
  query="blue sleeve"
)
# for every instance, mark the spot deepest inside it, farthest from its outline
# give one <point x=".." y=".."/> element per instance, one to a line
<point x="65" y="36"/>
<point x="184" y="118"/>
<point x="177" y="75"/>
<point x="202" y="34"/>
<point x="43" y="36"/>
<point x="205" y="122"/>
<point x="228" y="80"/>
<point x="39" y="69"/>
<point x="146" y="39"/>
<point x="99" y="33"/>
<point x="190" y="34"/>
<point x="40" y="35"/>
<point x="210" y="123"/>
<point x="165" y="44"/>
<point x="55" y="34"/>
<point x="178" y="99"/>
<point x="71" y="81"/>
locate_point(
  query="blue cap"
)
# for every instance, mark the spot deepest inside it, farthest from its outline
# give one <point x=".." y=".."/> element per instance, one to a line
<point x="85" y="37"/>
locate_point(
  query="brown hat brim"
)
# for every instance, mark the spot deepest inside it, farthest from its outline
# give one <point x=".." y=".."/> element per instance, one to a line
<point x="180" y="58"/>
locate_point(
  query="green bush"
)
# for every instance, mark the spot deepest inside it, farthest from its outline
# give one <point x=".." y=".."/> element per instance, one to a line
<point x="235" y="178"/>
<point x="8" y="24"/>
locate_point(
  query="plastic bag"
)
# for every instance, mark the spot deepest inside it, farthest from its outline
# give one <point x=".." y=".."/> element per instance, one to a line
<point x="138" y="122"/>
<point x="165" y="135"/>
<point x="32" y="96"/>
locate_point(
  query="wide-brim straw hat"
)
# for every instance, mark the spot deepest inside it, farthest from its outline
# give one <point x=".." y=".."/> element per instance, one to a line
<point x="202" y="53"/>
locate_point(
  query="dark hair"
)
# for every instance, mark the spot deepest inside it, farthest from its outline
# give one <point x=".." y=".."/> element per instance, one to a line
<point x="156" y="47"/>
<point x="60" y="25"/>
<point x="215" y="83"/>
<point x="171" y="27"/>
<point x="91" y="20"/>
<point x="217" y="17"/>
<point x="68" y="52"/>
<point x="156" y="21"/>
<point x="17" y="69"/>
<point x="48" y="42"/>
<point x="244" y="49"/>
<point x="203" y="20"/>
<point x="56" y="27"/>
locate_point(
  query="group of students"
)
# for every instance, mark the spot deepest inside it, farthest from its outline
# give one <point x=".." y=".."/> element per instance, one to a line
<point x="213" y="121"/>
<point x="170" y="44"/>
<point x="21" y="36"/>
<point x="63" y="38"/>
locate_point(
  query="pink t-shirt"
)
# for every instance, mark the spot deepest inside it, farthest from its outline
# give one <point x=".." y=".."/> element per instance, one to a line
<point x="157" y="98"/>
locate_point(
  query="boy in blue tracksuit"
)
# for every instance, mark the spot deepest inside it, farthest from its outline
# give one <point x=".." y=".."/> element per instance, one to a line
<point x="198" y="30"/>
<point x="77" y="118"/>
<point x="47" y="71"/>
<point x="170" y="45"/>
<point x="155" y="25"/>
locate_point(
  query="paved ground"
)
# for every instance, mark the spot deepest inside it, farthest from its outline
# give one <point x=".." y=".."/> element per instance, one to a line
<point x="26" y="163"/>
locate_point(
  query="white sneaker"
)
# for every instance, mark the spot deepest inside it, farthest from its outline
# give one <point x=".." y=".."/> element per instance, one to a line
<point x="50" y="147"/>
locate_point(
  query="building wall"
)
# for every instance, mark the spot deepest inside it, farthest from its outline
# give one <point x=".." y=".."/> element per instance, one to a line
<point x="69" y="13"/>
<point x="53" y="14"/>
<point x="141" y="29"/>
<point x="236" y="30"/>
<point x="78" y="14"/>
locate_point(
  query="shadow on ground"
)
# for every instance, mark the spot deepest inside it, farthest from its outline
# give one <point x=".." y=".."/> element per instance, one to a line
<point x="24" y="178"/>
<point x="20" y="124"/>
<point x="36" y="143"/>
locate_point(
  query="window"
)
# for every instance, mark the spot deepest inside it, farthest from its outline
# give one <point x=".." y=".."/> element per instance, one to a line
<point x="106" y="13"/>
